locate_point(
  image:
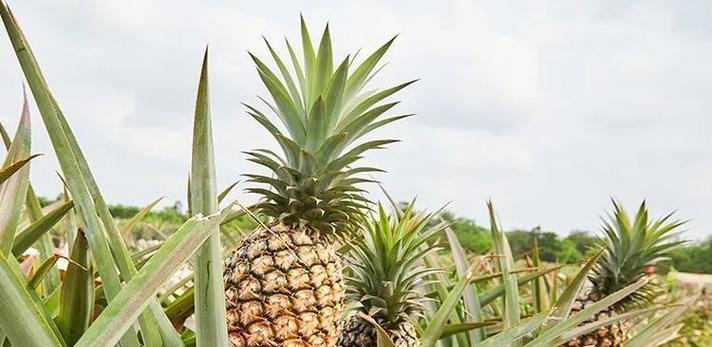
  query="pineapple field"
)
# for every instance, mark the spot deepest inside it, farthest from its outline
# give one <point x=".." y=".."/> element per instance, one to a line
<point x="317" y="260"/>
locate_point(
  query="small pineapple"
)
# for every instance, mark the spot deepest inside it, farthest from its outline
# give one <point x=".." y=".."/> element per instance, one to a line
<point x="284" y="283"/>
<point x="630" y="248"/>
<point x="387" y="274"/>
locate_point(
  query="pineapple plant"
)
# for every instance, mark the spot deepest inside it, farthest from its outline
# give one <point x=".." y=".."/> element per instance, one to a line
<point x="388" y="277"/>
<point x="629" y="248"/>
<point x="284" y="284"/>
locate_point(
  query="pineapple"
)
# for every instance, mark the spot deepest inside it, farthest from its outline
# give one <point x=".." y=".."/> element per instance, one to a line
<point x="387" y="275"/>
<point x="284" y="284"/>
<point x="629" y="249"/>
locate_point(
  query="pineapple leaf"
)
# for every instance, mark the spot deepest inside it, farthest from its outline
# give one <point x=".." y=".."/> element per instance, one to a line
<point x="506" y="264"/>
<point x="7" y="172"/>
<point x="372" y="100"/>
<point x="629" y="248"/>
<point x="587" y="328"/>
<point x="437" y="323"/>
<point x="382" y="338"/>
<point x="42" y="271"/>
<point x="457" y="328"/>
<point x="335" y="93"/>
<point x="117" y="317"/>
<point x="309" y="62"/>
<point x="648" y="333"/>
<point x="77" y="295"/>
<point x="659" y="338"/>
<point x="493" y="293"/>
<point x="317" y="124"/>
<point x="300" y="76"/>
<point x="127" y="227"/>
<point x="28" y="236"/>
<point x="567" y="323"/>
<point x="210" y="314"/>
<point x="324" y="63"/>
<point x="515" y="332"/>
<point x="286" y="109"/>
<point x="566" y="300"/>
<point x="88" y="199"/>
<point x="287" y="78"/>
<point x="361" y="74"/>
<point x="470" y="295"/>
<point x="13" y="190"/>
<point x="25" y="320"/>
<point x="317" y="136"/>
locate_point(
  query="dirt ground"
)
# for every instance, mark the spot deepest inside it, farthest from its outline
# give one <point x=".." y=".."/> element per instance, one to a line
<point x="694" y="280"/>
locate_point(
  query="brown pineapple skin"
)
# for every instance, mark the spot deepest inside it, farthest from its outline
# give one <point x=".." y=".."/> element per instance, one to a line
<point x="284" y="287"/>
<point x="609" y="336"/>
<point x="359" y="333"/>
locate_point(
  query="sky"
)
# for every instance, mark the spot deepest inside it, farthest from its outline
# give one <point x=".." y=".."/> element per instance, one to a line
<point x="549" y="108"/>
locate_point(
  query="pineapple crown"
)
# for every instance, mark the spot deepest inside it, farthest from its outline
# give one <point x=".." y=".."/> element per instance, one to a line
<point x="325" y="113"/>
<point x="629" y="247"/>
<point x="386" y="262"/>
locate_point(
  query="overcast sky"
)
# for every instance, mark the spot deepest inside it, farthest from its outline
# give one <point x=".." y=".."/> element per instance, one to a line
<point x="547" y="107"/>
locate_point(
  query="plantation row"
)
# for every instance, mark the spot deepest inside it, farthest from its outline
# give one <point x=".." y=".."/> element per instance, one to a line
<point x="315" y="262"/>
<point x="695" y="257"/>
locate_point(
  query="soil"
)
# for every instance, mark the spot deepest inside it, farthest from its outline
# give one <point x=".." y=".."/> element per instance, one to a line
<point x="702" y="281"/>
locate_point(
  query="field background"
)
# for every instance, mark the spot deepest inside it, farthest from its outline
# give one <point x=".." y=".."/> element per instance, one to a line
<point x="689" y="272"/>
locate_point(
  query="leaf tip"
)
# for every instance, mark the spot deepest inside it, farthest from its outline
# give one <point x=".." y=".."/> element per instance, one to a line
<point x="25" y="115"/>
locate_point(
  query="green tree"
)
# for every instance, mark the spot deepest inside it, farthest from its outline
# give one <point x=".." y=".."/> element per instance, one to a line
<point x="472" y="236"/>
<point x="521" y="243"/>
<point x="551" y="247"/>
<point x="583" y="240"/>
<point x="695" y="258"/>
<point x="569" y="253"/>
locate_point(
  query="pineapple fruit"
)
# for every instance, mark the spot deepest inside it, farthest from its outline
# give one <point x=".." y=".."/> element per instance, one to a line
<point x="387" y="275"/>
<point x="284" y="284"/>
<point x="629" y="248"/>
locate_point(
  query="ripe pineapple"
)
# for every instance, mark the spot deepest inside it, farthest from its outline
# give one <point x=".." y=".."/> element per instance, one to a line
<point x="629" y="249"/>
<point x="387" y="273"/>
<point x="284" y="284"/>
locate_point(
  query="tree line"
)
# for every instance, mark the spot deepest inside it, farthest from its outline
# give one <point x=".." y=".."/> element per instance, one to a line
<point x="693" y="257"/>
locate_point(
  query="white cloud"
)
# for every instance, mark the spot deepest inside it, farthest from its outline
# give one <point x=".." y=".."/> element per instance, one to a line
<point x="548" y="107"/>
